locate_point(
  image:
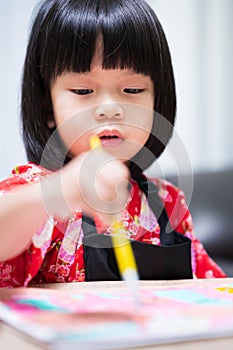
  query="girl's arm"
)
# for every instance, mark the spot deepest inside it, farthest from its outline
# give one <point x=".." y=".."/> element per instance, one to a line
<point x="22" y="214"/>
<point x="93" y="182"/>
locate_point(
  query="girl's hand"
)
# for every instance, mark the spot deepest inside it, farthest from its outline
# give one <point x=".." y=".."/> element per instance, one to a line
<point x="94" y="182"/>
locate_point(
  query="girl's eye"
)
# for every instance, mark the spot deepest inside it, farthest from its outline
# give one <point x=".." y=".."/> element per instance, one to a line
<point x="82" y="91"/>
<point x="133" y="91"/>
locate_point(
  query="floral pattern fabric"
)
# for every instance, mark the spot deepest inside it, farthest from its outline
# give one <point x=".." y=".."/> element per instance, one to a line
<point x="56" y="251"/>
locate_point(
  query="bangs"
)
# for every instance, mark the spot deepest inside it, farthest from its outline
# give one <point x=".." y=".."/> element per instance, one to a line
<point x="128" y="33"/>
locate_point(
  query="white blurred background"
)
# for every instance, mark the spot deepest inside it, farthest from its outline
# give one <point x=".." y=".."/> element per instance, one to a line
<point x="199" y="33"/>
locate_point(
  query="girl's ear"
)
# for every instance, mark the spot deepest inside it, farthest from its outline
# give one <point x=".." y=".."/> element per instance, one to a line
<point x="47" y="104"/>
<point x="51" y="124"/>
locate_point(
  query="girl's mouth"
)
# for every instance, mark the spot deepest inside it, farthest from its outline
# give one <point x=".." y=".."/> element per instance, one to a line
<point x="111" y="138"/>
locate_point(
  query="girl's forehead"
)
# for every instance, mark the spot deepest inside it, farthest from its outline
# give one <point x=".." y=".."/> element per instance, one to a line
<point x="98" y="56"/>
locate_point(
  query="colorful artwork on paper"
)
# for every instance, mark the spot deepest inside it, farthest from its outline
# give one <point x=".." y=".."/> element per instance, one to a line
<point x="107" y="318"/>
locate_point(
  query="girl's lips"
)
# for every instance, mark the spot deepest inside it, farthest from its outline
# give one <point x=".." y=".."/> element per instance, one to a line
<point x="111" y="138"/>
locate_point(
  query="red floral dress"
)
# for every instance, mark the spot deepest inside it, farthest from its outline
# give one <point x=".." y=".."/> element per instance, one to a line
<point x="56" y="250"/>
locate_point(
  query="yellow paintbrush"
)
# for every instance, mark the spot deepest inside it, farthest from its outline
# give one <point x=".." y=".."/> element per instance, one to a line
<point x="122" y="247"/>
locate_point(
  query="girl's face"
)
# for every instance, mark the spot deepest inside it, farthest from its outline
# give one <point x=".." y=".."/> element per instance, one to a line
<point x="116" y="104"/>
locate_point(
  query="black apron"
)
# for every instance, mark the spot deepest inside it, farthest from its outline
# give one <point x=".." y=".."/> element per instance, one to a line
<point x="169" y="261"/>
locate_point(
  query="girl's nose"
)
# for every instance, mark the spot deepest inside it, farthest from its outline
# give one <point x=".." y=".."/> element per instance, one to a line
<point x="109" y="111"/>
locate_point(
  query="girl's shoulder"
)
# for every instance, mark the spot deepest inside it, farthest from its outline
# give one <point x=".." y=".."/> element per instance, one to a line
<point x="22" y="175"/>
<point x="166" y="189"/>
<point x="175" y="204"/>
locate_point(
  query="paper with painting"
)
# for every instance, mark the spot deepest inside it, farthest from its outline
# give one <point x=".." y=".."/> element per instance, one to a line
<point x="107" y="318"/>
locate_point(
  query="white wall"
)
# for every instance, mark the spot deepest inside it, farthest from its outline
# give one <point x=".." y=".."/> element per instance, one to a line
<point x="14" y="24"/>
<point x="199" y="34"/>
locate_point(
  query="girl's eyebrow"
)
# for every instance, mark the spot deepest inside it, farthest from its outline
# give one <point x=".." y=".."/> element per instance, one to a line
<point x="127" y="73"/>
<point x="74" y="74"/>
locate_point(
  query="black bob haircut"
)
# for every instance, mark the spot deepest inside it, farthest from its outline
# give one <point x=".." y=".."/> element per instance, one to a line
<point x="63" y="38"/>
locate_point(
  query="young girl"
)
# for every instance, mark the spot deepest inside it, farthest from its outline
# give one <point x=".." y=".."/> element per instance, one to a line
<point x="95" y="68"/>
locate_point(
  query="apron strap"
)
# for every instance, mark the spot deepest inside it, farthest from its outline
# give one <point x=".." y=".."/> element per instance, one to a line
<point x="151" y="191"/>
